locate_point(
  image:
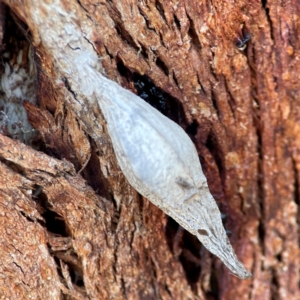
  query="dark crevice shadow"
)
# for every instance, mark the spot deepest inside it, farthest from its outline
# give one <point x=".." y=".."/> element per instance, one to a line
<point x="193" y="34"/>
<point x="56" y="226"/>
<point x="274" y="286"/>
<point x="192" y="128"/>
<point x="163" y="67"/>
<point x="214" y="149"/>
<point x="160" y="9"/>
<point x="187" y="248"/>
<point x="156" y="97"/>
<point x="125" y="36"/>
<point x="54" y="223"/>
<point x="190" y="259"/>
<point x="75" y="272"/>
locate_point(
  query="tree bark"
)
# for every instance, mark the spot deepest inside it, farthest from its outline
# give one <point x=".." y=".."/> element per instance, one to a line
<point x="72" y="227"/>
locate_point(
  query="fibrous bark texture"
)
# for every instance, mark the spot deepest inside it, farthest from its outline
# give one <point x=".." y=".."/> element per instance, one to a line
<point x="72" y="227"/>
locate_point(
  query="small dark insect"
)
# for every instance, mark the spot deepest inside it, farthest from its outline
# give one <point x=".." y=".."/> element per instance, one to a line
<point x="241" y="42"/>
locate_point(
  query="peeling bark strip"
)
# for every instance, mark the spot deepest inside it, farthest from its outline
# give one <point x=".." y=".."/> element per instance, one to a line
<point x="155" y="154"/>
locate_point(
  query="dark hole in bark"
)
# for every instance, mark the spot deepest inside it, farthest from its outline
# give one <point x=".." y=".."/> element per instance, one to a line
<point x="192" y="128"/>
<point x="203" y="92"/>
<point x="296" y="184"/>
<point x="231" y="101"/>
<point x="75" y="272"/>
<point x="161" y="10"/>
<point x="177" y="22"/>
<point x="94" y="176"/>
<point x="168" y="290"/>
<point x="193" y="34"/>
<point x="214" y="288"/>
<point x="274" y="287"/>
<point x="214" y="102"/>
<point x="261" y="233"/>
<point x="279" y="257"/>
<point x="27" y="217"/>
<point x="116" y="216"/>
<point x="267" y="10"/>
<point x="162" y="101"/>
<point x="13" y="166"/>
<point x="189" y="254"/>
<point x="171" y="230"/>
<point x="125" y="36"/>
<point x="214" y="149"/>
<point x="175" y="79"/>
<point x="162" y="66"/>
<point x="58" y="268"/>
<point x="156" y="97"/>
<point x="191" y="258"/>
<point x="14" y="26"/>
<point x="53" y="221"/>
<point x="143" y="52"/>
<point x="260" y="179"/>
<point x="76" y="276"/>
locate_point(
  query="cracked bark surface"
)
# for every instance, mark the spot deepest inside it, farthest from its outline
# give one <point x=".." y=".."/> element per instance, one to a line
<point x="71" y="225"/>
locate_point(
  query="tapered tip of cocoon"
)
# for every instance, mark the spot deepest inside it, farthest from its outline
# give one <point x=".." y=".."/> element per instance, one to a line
<point x="239" y="270"/>
<point x="219" y="245"/>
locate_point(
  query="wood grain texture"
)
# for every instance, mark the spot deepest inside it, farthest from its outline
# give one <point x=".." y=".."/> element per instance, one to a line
<point x="241" y="110"/>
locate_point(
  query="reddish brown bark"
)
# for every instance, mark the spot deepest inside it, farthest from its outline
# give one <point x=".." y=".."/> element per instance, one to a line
<point x="86" y="228"/>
